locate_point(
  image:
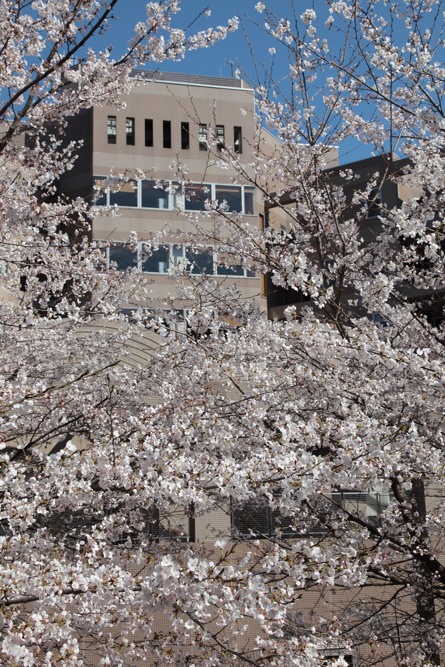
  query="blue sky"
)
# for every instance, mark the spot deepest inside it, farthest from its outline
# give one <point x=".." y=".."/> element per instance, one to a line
<point x="234" y="52"/>
<point x="215" y="61"/>
<point x="226" y="56"/>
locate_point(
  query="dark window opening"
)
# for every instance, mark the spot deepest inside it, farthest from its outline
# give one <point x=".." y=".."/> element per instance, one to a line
<point x="123" y="257"/>
<point x="199" y="261"/>
<point x="185" y="136"/>
<point x="111" y="129"/>
<point x="167" y="527"/>
<point x="237" y="140"/>
<point x="256" y="519"/>
<point x="156" y="261"/>
<point x="124" y="193"/>
<point x="153" y="195"/>
<point x="196" y="196"/>
<point x="167" y="133"/>
<point x="148" y="132"/>
<point x="229" y="197"/>
<point x="130" y="131"/>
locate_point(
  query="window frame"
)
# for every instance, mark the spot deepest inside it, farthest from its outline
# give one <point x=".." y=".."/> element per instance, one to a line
<point x="130" y="131"/>
<point x="177" y="198"/>
<point x="175" y="259"/>
<point x="112" y="130"/>
<point x="166" y="134"/>
<point x="185" y="135"/>
<point x="220" y="137"/>
<point x="203" y="136"/>
<point x="148" y="133"/>
<point x="238" y="139"/>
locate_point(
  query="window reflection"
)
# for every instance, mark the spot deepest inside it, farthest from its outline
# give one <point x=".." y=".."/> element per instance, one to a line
<point x="230" y="196"/>
<point x="123" y="256"/>
<point x="154" y="196"/>
<point x="195" y="196"/>
<point x="156" y="261"/>
<point x="124" y="194"/>
<point x="200" y="261"/>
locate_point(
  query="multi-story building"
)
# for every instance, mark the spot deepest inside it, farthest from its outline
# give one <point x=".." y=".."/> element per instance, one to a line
<point x="169" y="128"/>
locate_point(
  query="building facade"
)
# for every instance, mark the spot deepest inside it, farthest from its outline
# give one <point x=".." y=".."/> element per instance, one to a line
<point x="157" y="161"/>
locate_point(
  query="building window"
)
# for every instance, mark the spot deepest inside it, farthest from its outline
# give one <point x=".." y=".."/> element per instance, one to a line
<point x="168" y="525"/>
<point x="196" y="196"/>
<point x="199" y="261"/>
<point x="124" y="193"/>
<point x="149" y="132"/>
<point x="153" y="195"/>
<point x="122" y="256"/>
<point x="228" y="197"/>
<point x="202" y="136"/>
<point x="167" y="133"/>
<point x="185" y="136"/>
<point x="256" y="519"/>
<point x="111" y="129"/>
<point x="220" y="139"/>
<point x="155" y="261"/>
<point x="249" y="206"/>
<point x="374" y="203"/>
<point x="130" y="131"/>
<point x="237" y="140"/>
<point x="367" y="506"/>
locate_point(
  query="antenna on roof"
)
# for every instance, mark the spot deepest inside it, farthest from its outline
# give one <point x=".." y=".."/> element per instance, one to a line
<point x="232" y="64"/>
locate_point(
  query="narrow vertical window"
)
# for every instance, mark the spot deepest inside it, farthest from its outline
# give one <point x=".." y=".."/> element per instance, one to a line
<point x="111" y="129"/>
<point x="202" y="136"/>
<point x="185" y="136"/>
<point x="149" y="132"/>
<point x="220" y="139"/>
<point x="237" y="140"/>
<point x="167" y="133"/>
<point x="130" y="131"/>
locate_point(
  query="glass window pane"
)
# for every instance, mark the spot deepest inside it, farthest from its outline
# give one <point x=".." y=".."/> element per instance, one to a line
<point x="227" y="266"/>
<point x="123" y="257"/>
<point x="156" y="261"/>
<point x="237" y="139"/>
<point x="234" y="270"/>
<point x="149" y="132"/>
<point x="167" y="133"/>
<point x="252" y="519"/>
<point x="177" y="254"/>
<point x="220" y="138"/>
<point x="231" y="195"/>
<point x="111" y="129"/>
<point x="130" y="131"/>
<point x="249" y="208"/>
<point x="200" y="261"/>
<point x="185" y="136"/>
<point x="124" y="194"/>
<point x="195" y="197"/>
<point x="154" y="196"/>
<point x="202" y="137"/>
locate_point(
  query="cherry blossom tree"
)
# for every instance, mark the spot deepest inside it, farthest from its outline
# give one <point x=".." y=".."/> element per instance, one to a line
<point x="310" y="446"/>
